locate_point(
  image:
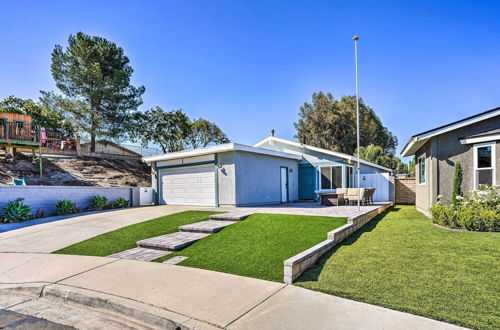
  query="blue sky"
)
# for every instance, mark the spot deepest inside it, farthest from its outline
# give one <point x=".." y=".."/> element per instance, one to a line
<point x="250" y="65"/>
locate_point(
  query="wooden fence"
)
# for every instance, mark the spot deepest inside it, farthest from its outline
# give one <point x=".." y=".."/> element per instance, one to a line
<point x="405" y="190"/>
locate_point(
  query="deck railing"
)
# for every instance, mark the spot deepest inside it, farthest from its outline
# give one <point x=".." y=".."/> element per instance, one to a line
<point x="19" y="131"/>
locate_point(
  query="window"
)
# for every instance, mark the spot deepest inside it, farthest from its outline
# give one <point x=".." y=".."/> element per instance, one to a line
<point x="331" y="177"/>
<point x="350" y="177"/>
<point x="484" y="164"/>
<point x="421" y="169"/>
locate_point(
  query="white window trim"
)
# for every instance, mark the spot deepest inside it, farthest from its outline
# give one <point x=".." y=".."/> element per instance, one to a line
<point x="319" y="176"/>
<point x="424" y="156"/>
<point x="493" y="162"/>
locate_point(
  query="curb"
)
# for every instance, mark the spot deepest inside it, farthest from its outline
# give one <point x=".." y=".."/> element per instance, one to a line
<point x="132" y="311"/>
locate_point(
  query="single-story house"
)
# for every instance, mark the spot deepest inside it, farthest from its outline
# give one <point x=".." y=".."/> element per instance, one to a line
<point x="109" y="147"/>
<point x="472" y="141"/>
<point x="272" y="171"/>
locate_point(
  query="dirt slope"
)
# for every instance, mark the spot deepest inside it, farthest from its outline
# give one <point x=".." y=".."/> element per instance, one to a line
<point x="77" y="171"/>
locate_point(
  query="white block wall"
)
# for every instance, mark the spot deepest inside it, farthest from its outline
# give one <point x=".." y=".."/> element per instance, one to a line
<point x="46" y="197"/>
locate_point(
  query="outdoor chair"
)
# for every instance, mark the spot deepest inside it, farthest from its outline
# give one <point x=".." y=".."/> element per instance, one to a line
<point x="352" y="194"/>
<point x="342" y="191"/>
<point x="370" y="193"/>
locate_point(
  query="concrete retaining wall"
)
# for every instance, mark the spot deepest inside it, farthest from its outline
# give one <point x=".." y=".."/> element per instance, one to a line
<point x="46" y="197"/>
<point x="296" y="265"/>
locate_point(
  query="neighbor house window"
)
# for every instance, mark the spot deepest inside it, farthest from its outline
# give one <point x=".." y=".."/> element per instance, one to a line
<point x="421" y="169"/>
<point x="484" y="164"/>
<point x="331" y="177"/>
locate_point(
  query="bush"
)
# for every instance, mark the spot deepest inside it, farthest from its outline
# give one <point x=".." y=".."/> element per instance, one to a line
<point x="65" y="207"/>
<point x="15" y="211"/>
<point x="120" y="203"/>
<point x="457" y="182"/>
<point x="480" y="211"/>
<point x="98" y="203"/>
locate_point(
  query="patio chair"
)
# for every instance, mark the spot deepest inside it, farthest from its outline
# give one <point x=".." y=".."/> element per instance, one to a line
<point x="352" y="194"/>
<point x="342" y="191"/>
<point x="370" y="193"/>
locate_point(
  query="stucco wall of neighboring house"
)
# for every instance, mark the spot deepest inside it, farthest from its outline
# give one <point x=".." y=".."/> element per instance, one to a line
<point x="450" y="150"/>
<point x="443" y="151"/>
<point x="422" y="190"/>
<point x="258" y="178"/>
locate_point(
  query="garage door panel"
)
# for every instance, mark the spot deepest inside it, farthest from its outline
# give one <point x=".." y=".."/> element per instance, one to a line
<point x="189" y="186"/>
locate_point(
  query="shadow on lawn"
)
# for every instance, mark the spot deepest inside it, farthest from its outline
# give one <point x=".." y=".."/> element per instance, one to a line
<point x="312" y="274"/>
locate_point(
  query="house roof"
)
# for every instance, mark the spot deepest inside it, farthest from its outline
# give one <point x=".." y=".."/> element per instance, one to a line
<point x="416" y="141"/>
<point x="218" y="149"/>
<point x="486" y="136"/>
<point x="320" y="150"/>
<point x="114" y="145"/>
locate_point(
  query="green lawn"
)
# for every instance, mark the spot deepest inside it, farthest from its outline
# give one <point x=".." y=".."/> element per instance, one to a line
<point x="126" y="237"/>
<point x="258" y="245"/>
<point x="401" y="261"/>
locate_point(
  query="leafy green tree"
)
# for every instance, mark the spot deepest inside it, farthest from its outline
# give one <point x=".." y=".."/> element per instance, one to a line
<point x="331" y="124"/>
<point x="375" y="154"/>
<point x="204" y="132"/>
<point x="96" y="73"/>
<point x="44" y="113"/>
<point x="167" y="129"/>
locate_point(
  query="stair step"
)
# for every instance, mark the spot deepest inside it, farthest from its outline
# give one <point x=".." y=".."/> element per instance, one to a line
<point x="208" y="226"/>
<point x="139" y="253"/>
<point x="171" y="242"/>
<point x="229" y="216"/>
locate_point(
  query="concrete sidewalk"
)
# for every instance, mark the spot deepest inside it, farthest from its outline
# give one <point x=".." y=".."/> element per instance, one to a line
<point x="162" y="296"/>
<point x="52" y="236"/>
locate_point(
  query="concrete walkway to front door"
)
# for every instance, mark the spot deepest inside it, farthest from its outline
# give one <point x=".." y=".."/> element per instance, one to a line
<point x="52" y="236"/>
<point x="164" y="296"/>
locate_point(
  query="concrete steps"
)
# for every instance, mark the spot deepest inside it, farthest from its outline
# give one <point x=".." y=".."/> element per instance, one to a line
<point x="230" y="216"/>
<point x="207" y="227"/>
<point x="139" y="253"/>
<point x="171" y="242"/>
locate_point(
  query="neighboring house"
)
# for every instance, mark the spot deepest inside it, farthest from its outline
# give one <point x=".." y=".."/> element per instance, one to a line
<point x="109" y="147"/>
<point x="272" y="171"/>
<point x="473" y="141"/>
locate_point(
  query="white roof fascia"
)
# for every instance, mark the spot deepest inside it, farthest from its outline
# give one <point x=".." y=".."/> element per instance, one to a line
<point x="321" y="150"/>
<point x="480" y="139"/>
<point x="218" y="149"/>
<point x="435" y="132"/>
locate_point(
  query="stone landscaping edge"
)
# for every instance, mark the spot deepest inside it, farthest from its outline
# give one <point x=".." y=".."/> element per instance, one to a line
<point x="299" y="263"/>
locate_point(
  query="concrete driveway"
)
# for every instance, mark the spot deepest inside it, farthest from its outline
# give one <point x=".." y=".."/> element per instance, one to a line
<point x="52" y="236"/>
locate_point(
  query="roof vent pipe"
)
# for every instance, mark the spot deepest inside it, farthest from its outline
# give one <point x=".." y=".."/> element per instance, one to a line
<point x="272" y="132"/>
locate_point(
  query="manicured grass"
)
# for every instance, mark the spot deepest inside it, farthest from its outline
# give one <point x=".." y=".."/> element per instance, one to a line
<point x="402" y="261"/>
<point x="258" y="245"/>
<point x="126" y="237"/>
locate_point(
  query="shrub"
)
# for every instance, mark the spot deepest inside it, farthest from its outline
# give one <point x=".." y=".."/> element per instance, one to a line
<point x="98" y="202"/>
<point x="120" y="203"/>
<point x="457" y="182"/>
<point x="39" y="214"/>
<point x="15" y="211"/>
<point x="479" y="211"/>
<point x="65" y="207"/>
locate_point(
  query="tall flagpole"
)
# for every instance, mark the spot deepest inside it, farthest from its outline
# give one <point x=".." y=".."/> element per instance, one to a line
<point x="356" y="38"/>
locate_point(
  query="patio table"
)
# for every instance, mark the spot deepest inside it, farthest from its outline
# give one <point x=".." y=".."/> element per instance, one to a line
<point x="332" y="199"/>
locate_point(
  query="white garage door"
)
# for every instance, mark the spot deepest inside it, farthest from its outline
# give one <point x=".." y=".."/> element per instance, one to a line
<point x="189" y="186"/>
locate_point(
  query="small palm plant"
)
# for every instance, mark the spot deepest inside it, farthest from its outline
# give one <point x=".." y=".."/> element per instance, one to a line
<point x="15" y="211"/>
<point x="65" y="207"/>
<point x="98" y="203"/>
<point x="120" y="203"/>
